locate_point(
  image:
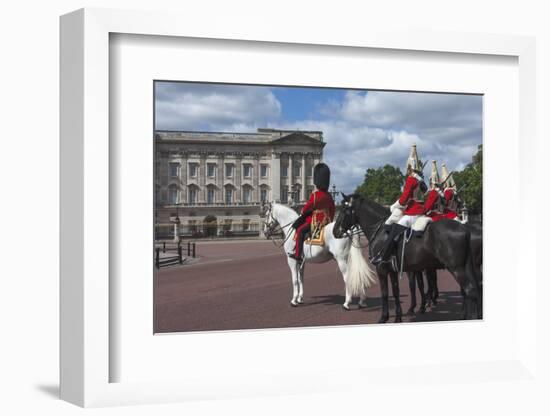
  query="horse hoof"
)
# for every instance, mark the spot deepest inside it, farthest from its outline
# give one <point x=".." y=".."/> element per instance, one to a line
<point x="346" y="307"/>
<point x="362" y="306"/>
<point x="382" y="320"/>
<point x="410" y="312"/>
<point x="293" y="304"/>
<point x="300" y="302"/>
<point x="398" y="319"/>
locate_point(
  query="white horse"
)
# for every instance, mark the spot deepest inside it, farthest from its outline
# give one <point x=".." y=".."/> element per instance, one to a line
<point x="358" y="275"/>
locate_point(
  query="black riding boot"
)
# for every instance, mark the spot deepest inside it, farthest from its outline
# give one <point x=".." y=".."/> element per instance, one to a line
<point x="389" y="245"/>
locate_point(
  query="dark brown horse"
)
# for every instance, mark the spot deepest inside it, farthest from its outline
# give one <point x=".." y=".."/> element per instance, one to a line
<point x="444" y="245"/>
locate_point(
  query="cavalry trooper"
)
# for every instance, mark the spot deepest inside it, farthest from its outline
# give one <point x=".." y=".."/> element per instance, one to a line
<point x="434" y="205"/>
<point x="317" y="212"/>
<point x="451" y="202"/>
<point x="407" y="208"/>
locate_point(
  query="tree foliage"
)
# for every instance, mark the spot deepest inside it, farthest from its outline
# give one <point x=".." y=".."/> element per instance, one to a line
<point x="469" y="182"/>
<point x="382" y="185"/>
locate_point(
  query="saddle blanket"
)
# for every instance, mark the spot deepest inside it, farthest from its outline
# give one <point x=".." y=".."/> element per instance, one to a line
<point x="316" y="240"/>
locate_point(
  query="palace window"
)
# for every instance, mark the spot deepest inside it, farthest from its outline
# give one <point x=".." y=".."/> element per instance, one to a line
<point x="228" y="170"/>
<point x="246" y="225"/>
<point x="297" y="169"/>
<point x="284" y="171"/>
<point x="228" y="195"/>
<point x="263" y="171"/>
<point x="193" y="167"/>
<point x="263" y="194"/>
<point x="247" y="170"/>
<point x="192" y="199"/>
<point x="247" y="194"/>
<point x="284" y="195"/>
<point x="174" y="170"/>
<point x="211" y="170"/>
<point x="173" y="194"/>
<point x="211" y="195"/>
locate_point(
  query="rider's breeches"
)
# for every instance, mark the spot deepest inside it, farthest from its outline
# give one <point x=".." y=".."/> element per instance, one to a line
<point x="301" y="234"/>
<point x="395" y="216"/>
<point x="407" y="220"/>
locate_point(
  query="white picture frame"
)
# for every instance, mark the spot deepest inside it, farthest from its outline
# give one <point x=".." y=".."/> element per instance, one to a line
<point x="86" y="356"/>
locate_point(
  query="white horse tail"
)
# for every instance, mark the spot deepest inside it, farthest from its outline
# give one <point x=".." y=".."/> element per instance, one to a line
<point x="360" y="274"/>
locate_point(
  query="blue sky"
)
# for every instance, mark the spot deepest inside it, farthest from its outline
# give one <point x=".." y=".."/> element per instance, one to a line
<point x="362" y="129"/>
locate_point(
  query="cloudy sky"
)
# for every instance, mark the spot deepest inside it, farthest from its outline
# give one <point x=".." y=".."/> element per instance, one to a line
<point x="363" y="129"/>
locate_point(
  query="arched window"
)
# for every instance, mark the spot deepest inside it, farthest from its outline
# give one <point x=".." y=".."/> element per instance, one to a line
<point x="211" y="194"/>
<point x="229" y="194"/>
<point x="247" y="194"/>
<point x="192" y="194"/>
<point x="173" y="195"/>
<point x="264" y="193"/>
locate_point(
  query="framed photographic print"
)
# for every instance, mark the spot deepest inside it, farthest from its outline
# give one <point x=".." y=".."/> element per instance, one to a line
<point x="186" y="153"/>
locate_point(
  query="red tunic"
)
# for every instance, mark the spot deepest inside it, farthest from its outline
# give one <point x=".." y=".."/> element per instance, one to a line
<point x="412" y="206"/>
<point x="320" y="204"/>
<point x="431" y="206"/>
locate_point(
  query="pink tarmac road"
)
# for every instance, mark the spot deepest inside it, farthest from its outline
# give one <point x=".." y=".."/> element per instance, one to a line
<point x="247" y="285"/>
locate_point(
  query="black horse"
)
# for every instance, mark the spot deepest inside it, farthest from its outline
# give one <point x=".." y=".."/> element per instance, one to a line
<point x="444" y="245"/>
<point x="476" y="249"/>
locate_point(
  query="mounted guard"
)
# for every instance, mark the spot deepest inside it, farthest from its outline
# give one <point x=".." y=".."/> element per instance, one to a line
<point x="435" y="201"/>
<point x="451" y="197"/>
<point x="316" y="213"/>
<point x="407" y="208"/>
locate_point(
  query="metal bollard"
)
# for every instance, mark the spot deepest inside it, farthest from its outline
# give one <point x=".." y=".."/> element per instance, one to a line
<point x="179" y="254"/>
<point x="157" y="258"/>
<point x="188" y="249"/>
<point x="164" y="247"/>
<point x="194" y="248"/>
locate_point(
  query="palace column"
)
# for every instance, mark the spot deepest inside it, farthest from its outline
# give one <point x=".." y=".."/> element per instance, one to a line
<point x="220" y="172"/>
<point x="303" y="196"/>
<point x="275" y="177"/>
<point x="290" y="174"/>
<point x="256" y="178"/>
<point x="238" y="179"/>
<point x="202" y="178"/>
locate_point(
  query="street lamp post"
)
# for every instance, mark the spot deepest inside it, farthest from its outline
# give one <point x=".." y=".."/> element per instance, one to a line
<point x="177" y="224"/>
<point x="334" y="192"/>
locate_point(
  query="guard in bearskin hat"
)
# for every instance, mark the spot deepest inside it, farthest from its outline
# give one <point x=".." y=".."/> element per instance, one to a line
<point x="407" y="208"/>
<point x="317" y="212"/>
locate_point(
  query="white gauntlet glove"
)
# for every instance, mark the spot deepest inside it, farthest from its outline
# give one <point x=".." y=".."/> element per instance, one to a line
<point x="396" y="205"/>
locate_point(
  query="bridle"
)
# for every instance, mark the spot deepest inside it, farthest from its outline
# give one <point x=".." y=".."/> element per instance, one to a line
<point x="356" y="229"/>
<point x="271" y="225"/>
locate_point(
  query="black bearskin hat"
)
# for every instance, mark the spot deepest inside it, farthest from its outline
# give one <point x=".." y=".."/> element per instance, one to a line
<point x="321" y="176"/>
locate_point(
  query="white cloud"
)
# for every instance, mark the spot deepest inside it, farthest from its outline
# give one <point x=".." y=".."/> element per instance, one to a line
<point x="365" y="130"/>
<point x="184" y="106"/>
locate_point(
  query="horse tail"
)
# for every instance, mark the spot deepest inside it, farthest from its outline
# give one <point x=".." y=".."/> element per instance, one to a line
<point x="361" y="275"/>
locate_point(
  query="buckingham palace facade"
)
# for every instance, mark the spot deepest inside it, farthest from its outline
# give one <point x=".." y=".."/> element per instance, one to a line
<point x="213" y="183"/>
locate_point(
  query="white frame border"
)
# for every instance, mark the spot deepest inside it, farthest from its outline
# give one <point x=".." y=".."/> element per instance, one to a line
<point x="84" y="216"/>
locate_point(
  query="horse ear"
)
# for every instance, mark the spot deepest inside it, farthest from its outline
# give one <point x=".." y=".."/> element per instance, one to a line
<point x="344" y="196"/>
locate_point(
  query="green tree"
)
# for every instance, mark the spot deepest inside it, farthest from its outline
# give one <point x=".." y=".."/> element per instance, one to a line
<point x="469" y="182"/>
<point x="382" y="185"/>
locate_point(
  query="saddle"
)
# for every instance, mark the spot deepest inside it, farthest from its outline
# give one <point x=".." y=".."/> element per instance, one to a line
<point x="317" y="231"/>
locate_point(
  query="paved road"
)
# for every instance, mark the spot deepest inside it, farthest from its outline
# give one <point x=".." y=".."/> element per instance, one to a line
<point x="247" y="284"/>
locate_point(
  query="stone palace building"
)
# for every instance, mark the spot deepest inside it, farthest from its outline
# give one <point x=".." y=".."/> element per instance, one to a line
<point x="215" y="182"/>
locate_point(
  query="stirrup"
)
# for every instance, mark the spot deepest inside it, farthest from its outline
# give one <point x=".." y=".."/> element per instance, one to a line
<point x="293" y="256"/>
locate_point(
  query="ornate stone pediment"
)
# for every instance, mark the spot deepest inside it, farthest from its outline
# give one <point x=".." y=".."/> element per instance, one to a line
<point x="298" y="138"/>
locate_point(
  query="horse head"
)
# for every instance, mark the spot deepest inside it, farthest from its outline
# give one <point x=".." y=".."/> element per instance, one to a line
<point x="346" y="217"/>
<point x="269" y="223"/>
